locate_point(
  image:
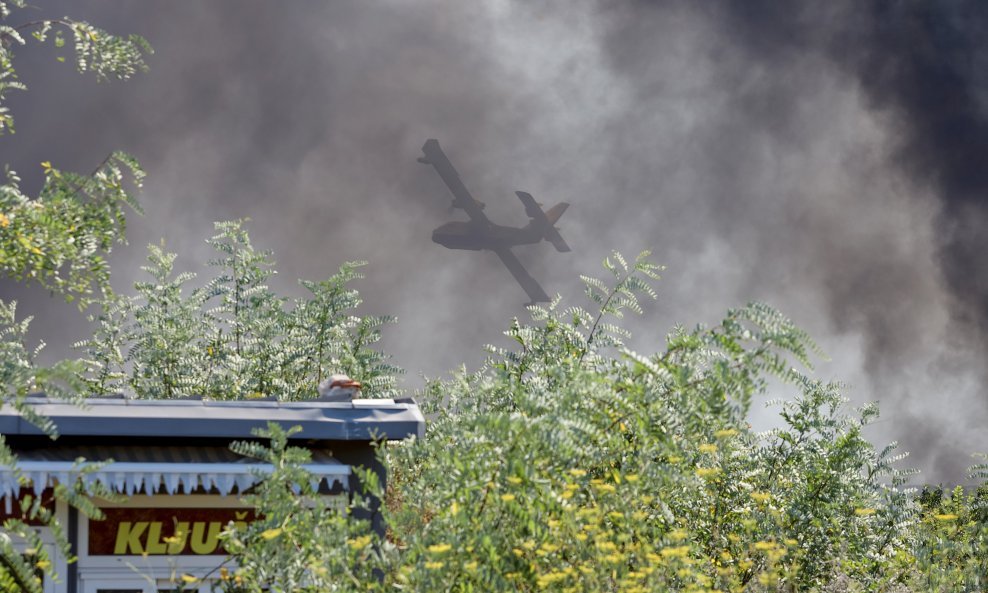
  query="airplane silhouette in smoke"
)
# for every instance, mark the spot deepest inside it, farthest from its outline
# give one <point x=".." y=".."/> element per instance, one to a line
<point x="480" y="233"/>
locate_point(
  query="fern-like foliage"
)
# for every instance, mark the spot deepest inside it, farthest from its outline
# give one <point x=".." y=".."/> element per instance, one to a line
<point x="104" y="54"/>
<point x="298" y="543"/>
<point x="60" y="238"/>
<point x="19" y="377"/>
<point x="233" y="337"/>
<point x="574" y="335"/>
<point x="569" y="460"/>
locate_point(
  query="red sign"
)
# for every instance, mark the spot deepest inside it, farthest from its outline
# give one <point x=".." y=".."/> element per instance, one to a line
<point x="158" y="532"/>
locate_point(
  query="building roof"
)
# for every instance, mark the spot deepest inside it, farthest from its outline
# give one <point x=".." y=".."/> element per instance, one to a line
<point x="357" y="420"/>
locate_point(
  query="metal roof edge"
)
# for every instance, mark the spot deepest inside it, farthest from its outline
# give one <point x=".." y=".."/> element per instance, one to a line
<point x="320" y="420"/>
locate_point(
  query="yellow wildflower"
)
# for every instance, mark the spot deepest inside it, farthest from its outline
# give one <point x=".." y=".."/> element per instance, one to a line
<point x="946" y="517"/>
<point x="675" y="552"/>
<point x="507" y="497"/>
<point x="440" y="548"/>
<point x="549" y="578"/>
<point x="269" y="534"/>
<point x="515" y="480"/>
<point x="725" y="433"/>
<point x="708" y="448"/>
<point x="577" y="473"/>
<point x="189" y="578"/>
<point x="864" y="512"/>
<point x="434" y="565"/>
<point x="4" y="221"/>
<point x="360" y="543"/>
<point x="707" y="472"/>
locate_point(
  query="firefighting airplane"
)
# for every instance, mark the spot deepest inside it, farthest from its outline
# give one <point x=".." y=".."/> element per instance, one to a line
<point x="480" y="233"/>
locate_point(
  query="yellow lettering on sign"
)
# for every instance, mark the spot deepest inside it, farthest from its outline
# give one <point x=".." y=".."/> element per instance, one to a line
<point x="155" y="545"/>
<point x="205" y="543"/>
<point x="129" y="537"/>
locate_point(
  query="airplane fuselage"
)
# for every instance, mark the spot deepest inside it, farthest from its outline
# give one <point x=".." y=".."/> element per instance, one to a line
<point x="473" y="236"/>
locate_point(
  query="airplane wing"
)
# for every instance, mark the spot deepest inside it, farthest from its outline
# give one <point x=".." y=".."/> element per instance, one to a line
<point x="517" y="270"/>
<point x="461" y="197"/>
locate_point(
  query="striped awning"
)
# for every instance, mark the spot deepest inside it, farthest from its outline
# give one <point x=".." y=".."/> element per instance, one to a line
<point x="156" y="470"/>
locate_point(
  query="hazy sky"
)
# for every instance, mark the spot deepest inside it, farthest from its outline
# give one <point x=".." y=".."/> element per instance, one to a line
<point x="827" y="158"/>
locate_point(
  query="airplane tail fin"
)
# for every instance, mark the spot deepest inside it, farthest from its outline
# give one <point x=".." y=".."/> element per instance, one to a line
<point x="551" y="233"/>
<point x="545" y="220"/>
<point x="556" y="211"/>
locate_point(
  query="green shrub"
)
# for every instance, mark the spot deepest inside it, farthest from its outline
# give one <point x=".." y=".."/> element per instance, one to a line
<point x="233" y="337"/>
<point x="571" y="463"/>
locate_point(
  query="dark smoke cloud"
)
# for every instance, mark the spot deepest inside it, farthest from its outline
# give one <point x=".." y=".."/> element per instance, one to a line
<point x="822" y="157"/>
<point x="922" y="70"/>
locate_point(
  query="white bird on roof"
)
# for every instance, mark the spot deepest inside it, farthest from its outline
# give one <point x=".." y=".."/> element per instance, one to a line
<point x="338" y="388"/>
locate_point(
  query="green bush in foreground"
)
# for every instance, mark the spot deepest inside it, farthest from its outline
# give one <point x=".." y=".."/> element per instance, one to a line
<point x="233" y="337"/>
<point x="567" y="462"/>
<point x="570" y="463"/>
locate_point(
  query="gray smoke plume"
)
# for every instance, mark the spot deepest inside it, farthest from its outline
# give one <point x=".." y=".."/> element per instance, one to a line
<point x="822" y="157"/>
